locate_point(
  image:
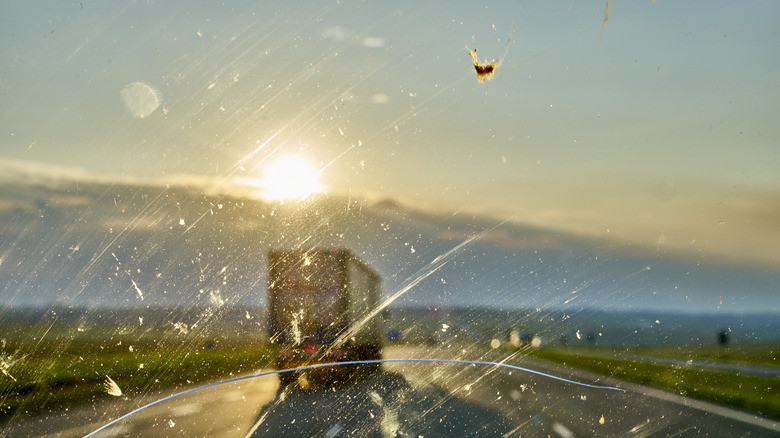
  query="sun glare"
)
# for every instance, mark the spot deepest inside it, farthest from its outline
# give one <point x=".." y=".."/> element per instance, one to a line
<point x="289" y="177"/>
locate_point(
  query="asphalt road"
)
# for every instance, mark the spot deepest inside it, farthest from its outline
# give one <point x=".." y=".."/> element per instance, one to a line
<point x="541" y="406"/>
<point x="416" y="399"/>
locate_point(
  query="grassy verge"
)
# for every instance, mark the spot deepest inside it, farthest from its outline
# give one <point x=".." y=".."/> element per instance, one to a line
<point x="751" y="393"/>
<point x="758" y="354"/>
<point x="65" y="374"/>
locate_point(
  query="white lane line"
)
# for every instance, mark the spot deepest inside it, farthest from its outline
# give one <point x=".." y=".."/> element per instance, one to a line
<point x="711" y="408"/>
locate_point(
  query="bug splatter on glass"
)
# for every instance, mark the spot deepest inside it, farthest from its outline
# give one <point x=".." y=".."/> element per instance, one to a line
<point x="486" y="69"/>
<point x="606" y="18"/>
<point x="483" y="70"/>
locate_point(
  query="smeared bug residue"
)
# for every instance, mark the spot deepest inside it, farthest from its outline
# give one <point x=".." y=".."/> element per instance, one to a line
<point x="183" y="328"/>
<point x="137" y="290"/>
<point x="216" y="298"/>
<point x="7" y="361"/>
<point x="295" y="329"/>
<point x="389" y="423"/>
<point x="111" y="387"/>
<point x="486" y="69"/>
<point x="606" y="18"/>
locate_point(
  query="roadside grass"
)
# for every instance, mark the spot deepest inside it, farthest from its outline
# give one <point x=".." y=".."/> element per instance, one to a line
<point x="758" y="354"/>
<point x="756" y="394"/>
<point x="56" y="375"/>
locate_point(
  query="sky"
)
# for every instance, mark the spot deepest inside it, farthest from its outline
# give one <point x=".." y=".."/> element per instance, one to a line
<point x="657" y="128"/>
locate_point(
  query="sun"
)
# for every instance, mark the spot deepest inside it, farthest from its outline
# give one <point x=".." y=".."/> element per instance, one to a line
<point x="289" y="177"/>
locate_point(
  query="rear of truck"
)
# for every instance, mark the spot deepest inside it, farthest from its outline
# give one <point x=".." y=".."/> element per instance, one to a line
<point x="319" y="312"/>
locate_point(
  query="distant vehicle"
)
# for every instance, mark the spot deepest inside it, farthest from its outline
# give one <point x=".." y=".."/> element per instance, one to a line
<point x="320" y="304"/>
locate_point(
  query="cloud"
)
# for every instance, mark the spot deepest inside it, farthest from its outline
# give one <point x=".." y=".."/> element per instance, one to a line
<point x="738" y="223"/>
<point x="508" y="239"/>
<point x="54" y="175"/>
<point x="164" y="238"/>
<point x="38" y="172"/>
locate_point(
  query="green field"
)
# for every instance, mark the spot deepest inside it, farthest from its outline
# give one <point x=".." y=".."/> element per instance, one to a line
<point x="55" y="373"/>
<point x="760" y="354"/>
<point x="47" y="367"/>
<point x="747" y="392"/>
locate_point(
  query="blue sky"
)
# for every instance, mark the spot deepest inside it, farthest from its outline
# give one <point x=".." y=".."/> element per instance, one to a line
<point x="662" y="132"/>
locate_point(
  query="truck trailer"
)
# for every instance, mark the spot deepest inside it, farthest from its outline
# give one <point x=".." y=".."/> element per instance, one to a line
<point x="320" y="311"/>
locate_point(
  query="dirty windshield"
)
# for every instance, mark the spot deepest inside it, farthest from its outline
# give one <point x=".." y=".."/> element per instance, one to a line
<point x="347" y="218"/>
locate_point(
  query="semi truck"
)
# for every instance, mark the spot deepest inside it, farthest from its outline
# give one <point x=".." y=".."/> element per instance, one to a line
<point x="322" y="305"/>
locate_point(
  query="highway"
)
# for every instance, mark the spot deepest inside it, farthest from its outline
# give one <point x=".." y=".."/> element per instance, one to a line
<point x="416" y="399"/>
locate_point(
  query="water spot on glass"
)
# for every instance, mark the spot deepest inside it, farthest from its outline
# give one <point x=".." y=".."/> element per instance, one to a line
<point x="373" y="42"/>
<point x="140" y="99"/>
<point x="379" y="98"/>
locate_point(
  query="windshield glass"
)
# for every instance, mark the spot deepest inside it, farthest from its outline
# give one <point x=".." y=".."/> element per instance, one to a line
<point x="495" y="218"/>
